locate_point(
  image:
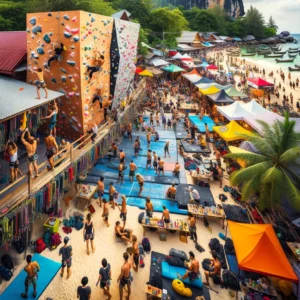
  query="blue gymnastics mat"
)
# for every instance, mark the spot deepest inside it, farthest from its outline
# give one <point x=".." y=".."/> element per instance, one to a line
<point x="234" y="267"/>
<point x="49" y="269"/>
<point x="157" y="205"/>
<point x="200" y="123"/>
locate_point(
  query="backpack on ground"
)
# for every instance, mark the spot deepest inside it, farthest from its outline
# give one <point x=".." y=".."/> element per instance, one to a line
<point x="206" y="265"/>
<point x="5" y="273"/>
<point x="214" y="244"/>
<point x="175" y="261"/>
<point x="146" y="245"/>
<point x="19" y="245"/>
<point x="141" y="261"/>
<point x="40" y="245"/>
<point x="229" y="248"/>
<point x="55" y="240"/>
<point x="7" y="262"/>
<point x="141" y="249"/>
<point x="216" y="279"/>
<point x="91" y="209"/>
<point x="47" y="238"/>
<point x="141" y="217"/>
<point x="230" y="280"/>
<point x="178" y="253"/>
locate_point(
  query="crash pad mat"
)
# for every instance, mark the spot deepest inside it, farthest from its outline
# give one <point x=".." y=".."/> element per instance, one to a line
<point x="193" y="148"/>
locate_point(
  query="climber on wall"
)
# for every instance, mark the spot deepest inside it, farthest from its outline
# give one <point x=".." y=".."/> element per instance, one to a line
<point x="99" y="60"/>
<point x="58" y="49"/>
<point x="98" y="97"/>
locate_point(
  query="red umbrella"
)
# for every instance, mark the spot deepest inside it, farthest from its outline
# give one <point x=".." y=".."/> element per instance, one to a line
<point x="138" y="70"/>
<point x="212" y="67"/>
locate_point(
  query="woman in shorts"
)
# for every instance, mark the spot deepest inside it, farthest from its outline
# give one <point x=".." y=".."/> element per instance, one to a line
<point x="89" y="233"/>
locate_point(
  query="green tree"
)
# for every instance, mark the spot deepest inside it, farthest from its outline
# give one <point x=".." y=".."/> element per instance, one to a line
<point x="143" y="38"/>
<point x="236" y="28"/>
<point x="272" y="24"/>
<point x="190" y="16"/>
<point x="219" y="13"/>
<point x="269" y="32"/>
<point x="205" y="21"/>
<point x="254" y="21"/>
<point x="12" y="15"/>
<point x="273" y="172"/>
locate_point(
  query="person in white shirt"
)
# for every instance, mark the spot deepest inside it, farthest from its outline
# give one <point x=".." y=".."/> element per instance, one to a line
<point x="93" y="130"/>
<point x="194" y="193"/>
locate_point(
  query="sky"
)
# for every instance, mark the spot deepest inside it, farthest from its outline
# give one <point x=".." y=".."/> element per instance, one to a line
<point x="286" y="13"/>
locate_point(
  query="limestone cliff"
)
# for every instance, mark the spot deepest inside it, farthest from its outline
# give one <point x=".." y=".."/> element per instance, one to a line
<point x="235" y="8"/>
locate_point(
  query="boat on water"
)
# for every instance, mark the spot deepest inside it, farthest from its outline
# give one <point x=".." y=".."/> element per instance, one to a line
<point x="291" y="69"/>
<point x="249" y="54"/>
<point x="292" y="49"/>
<point x="292" y="55"/>
<point x="264" y="52"/>
<point x="285" y="60"/>
<point x="273" y="55"/>
<point x="297" y="66"/>
<point x="279" y="52"/>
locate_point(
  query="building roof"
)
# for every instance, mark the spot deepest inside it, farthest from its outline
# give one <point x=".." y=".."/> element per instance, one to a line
<point x="187" y="37"/>
<point x="17" y="97"/>
<point x="119" y="14"/>
<point x="13" y="49"/>
<point x="248" y="38"/>
<point x="184" y="47"/>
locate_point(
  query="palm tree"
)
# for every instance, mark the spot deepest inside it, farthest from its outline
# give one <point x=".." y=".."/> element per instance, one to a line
<point x="272" y="24"/>
<point x="274" y="172"/>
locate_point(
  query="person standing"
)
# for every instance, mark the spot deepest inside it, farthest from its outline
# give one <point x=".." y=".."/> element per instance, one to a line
<point x="132" y="169"/>
<point x="105" y="212"/>
<point x="84" y="291"/>
<point x="148" y="139"/>
<point x="32" y="157"/>
<point x="155" y="157"/>
<point x="157" y="119"/>
<point x="140" y="179"/>
<point x="105" y="278"/>
<point x="218" y="155"/>
<point x="161" y="165"/>
<point x="51" y="147"/>
<point x="121" y="173"/>
<point x="129" y="131"/>
<point x="151" y="119"/>
<point x="53" y="119"/>
<point x="100" y="190"/>
<point x="122" y="156"/>
<point x="89" y="233"/>
<point x="149" y="157"/>
<point x="149" y="208"/>
<point x="220" y="175"/>
<point x="12" y="150"/>
<point x="166" y="216"/>
<point x="164" y="122"/>
<point x="66" y="252"/>
<point x="123" y="210"/>
<point x="124" y="277"/>
<point x="176" y="170"/>
<point x="166" y="149"/>
<point x="94" y="130"/>
<point x="136" y="148"/>
<point x="192" y="227"/>
<point x="40" y="83"/>
<point x="31" y="269"/>
<point x="135" y="253"/>
<point x="112" y="194"/>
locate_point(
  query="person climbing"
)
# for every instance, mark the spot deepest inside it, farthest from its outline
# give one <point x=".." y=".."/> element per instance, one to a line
<point x="58" y="49"/>
<point x="31" y="269"/>
<point x="51" y="147"/>
<point x="98" y="98"/>
<point x="12" y="150"/>
<point x="40" y="83"/>
<point x="66" y="252"/>
<point x="99" y="60"/>
<point x="32" y="157"/>
<point x="89" y="233"/>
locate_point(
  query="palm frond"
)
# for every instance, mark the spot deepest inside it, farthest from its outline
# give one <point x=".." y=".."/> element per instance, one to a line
<point x="249" y="158"/>
<point x="268" y="134"/>
<point x="250" y="187"/>
<point x="262" y="145"/>
<point x="290" y="156"/>
<point x="268" y="196"/>
<point x="289" y="134"/>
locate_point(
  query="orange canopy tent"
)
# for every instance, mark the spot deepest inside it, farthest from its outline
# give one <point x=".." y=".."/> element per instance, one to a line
<point x="258" y="250"/>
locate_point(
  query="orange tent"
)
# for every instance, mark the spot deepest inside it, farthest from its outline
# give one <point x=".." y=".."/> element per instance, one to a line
<point x="258" y="250"/>
<point x="193" y="72"/>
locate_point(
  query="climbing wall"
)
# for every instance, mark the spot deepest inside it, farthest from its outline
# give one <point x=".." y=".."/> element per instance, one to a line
<point x="114" y="60"/>
<point x="96" y="33"/>
<point x="81" y="33"/>
<point x="127" y="37"/>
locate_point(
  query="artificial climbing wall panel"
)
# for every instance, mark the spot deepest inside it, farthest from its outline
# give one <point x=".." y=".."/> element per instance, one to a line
<point x="44" y="29"/>
<point x="127" y="37"/>
<point x="95" y="35"/>
<point x="114" y="61"/>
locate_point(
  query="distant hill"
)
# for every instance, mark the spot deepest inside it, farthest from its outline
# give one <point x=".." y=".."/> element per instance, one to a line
<point x="235" y="8"/>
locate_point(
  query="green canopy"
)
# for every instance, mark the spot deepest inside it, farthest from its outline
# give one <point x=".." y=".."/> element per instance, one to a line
<point x="172" y="69"/>
<point x="233" y="92"/>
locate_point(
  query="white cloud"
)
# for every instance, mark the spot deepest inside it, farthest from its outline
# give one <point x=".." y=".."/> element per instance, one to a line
<point x="285" y="12"/>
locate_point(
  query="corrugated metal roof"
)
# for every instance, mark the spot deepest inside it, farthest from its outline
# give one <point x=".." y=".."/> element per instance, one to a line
<point x="119" y="14"/>
<point x="187" y="37"/>
<point x="18" y="96"/>
<point x="13" y="48"/>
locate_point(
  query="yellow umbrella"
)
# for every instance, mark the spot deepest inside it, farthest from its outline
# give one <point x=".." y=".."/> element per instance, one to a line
<point x="146" y="73"/>
<point x="210" y="90"/>
<point x="234" y="149"/>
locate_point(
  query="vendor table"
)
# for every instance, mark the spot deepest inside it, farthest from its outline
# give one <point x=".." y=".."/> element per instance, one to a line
<point x="84" y="195"/>
<point x="153" y="293"/>
<point x="253" y="286"/>
<point x="204" y="175"/>
<point x="295" y="248"/>
<point x="179" y="225"/>
<point x="198" y="211"/>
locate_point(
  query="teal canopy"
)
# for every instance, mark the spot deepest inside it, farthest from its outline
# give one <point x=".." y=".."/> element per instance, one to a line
<point x="172" y="69"/>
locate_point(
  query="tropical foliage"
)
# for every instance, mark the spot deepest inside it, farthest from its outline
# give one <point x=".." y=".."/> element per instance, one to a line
<point x="274" y="172"/>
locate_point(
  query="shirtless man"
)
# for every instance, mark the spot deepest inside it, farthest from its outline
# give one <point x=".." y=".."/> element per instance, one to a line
<point x="192" y="227"/>
<point x="124" y="277"/>
<point x="122" y="156"/>
<point x="171" y="192"/>
<point x="121" y="173"/>
<point x="176" y="169"/>
<point x="136" y="148"/>
<point x="135" y="253"/>
<point x="193" y="269"/>
<point x="140" y="179"/>
<point x="31" y="269"/>
<point x="218" y="155"/>
<point x="51" y="147"/>
<point x="161" y="165"/>
<point x="166" y="149"/>
<point x="123" y="210"/>
<point x="155" y="157"/>
<point x="132" y="169"/>
<point x="129" y="131"/>
<point x="122" y="233"/>
<point x="149" y="157"/>
<point x="216" y="265"/>
<point x="100" y="190"/>
<point x="40" y="83"/>
<point x="32" y="157"/>
<point x="148" y="139"/>
<point x="166" y="216"/>
<point x="149" y="208"/>
<point x="112" y="191"/>
<point x="105" y="212"/>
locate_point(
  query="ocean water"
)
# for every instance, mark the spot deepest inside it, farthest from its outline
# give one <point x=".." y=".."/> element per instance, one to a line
<point x="271" y="63"/>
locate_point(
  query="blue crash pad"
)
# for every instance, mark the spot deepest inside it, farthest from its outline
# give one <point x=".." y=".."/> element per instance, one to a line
<point x="171" y="272"/>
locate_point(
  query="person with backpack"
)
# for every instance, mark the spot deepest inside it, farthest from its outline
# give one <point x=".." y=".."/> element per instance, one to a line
<point x="135" y="253"/>
<point x="66" y="252"/>
<point x="84" y="291"/>
<point x="89" y="233"/>
<point x="216" y="265"/>
<point x="31" y="269"/>
<point x="105" y="278"/>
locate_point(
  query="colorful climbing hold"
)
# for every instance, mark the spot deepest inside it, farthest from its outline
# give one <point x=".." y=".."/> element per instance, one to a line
<point x="67" y="35"/>
<point x="66" y="17"/>
<point x="40" y="50"/>
<point x="63" y="78"/>
<point x="33" y="55"/>
<point x="53" y="80"/>
<point x="47" y="39"/>
<point x="93" y="19"/>
<point x="74" y="19"/>
<point x="76" y="39"/>
<point x="49" y="15"/>
<point x="33" y="21"/>
<point x="71" y="63"/>
<point x="36" y="29"/>
<point x="75" y="30"/>
<point x="63" y="70"/>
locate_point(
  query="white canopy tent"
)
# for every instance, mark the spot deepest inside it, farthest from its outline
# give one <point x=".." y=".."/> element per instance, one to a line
<point x="234" y="111"/>
<point x="157" y="62"/>
<point x="177" y="56"/>
<point x="192" y="78"/>
<point x="254" y="108"/>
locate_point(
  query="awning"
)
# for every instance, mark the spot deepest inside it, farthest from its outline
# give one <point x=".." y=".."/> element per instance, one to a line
<point x="146" y="73"/>
<point x="257" y="82"/>
<point x="209" y="91"/>
<point x="157" y="62"/>
<point x="155" y="71"/>
<point x="258" y="250"/>
<point x="17" y="97"/>
<point x="232" y="131"/>
<point x="192" y="76"/>
<point x="219" y="97"/>
<point x="186" y="57"/>
<point x="203" y="80"/>
<point x="234" y="111"/>
<point x="207" y="44"/>
<point x="233" y="92"/>
<point x="173" y="69"/>
<point x="234" y="149"/>
<point x="212" y="67"/>
<point x="177" y="56"/>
